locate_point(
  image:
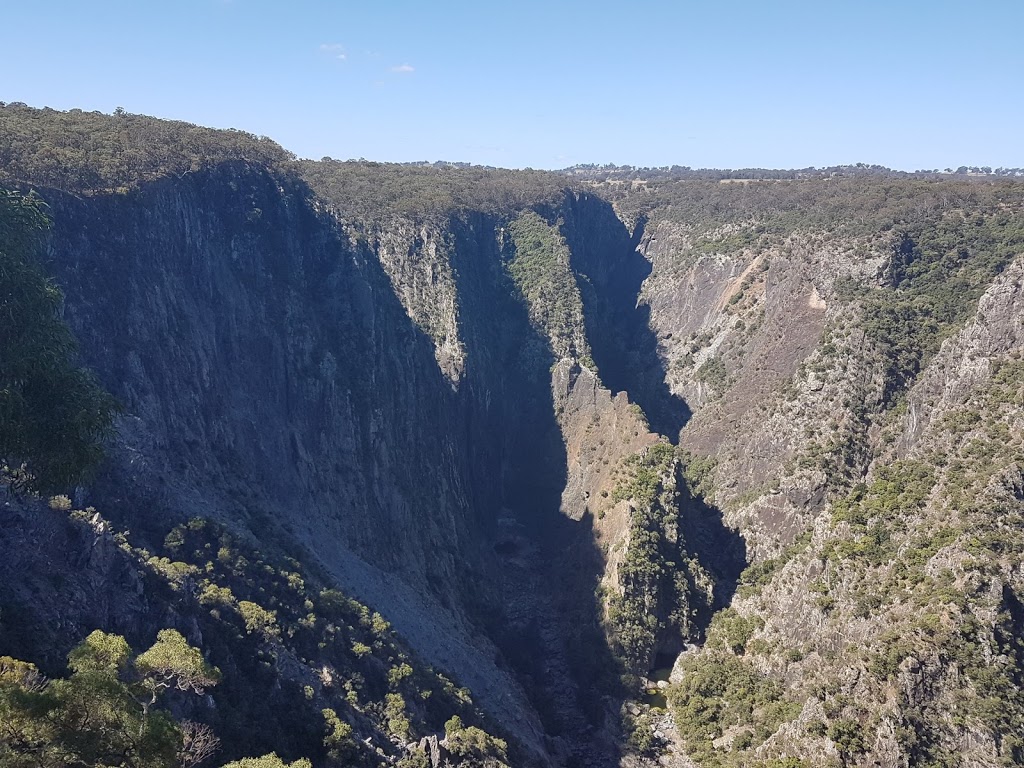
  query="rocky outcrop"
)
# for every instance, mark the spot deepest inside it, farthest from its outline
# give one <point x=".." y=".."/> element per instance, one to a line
<point x="98" y="585"/>
<point x="965" y="362"/>
<point x="748" y="339"/>
<point x="899" y="609"/>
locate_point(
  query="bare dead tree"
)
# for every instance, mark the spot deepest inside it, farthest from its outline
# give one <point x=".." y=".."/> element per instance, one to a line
<point x="23" y="674"/>
<point x="198" y="744"/>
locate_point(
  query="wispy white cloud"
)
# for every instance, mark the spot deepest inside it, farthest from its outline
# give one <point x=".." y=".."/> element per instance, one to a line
<point x="403" y="69"/>
<point x="335" y="50"/>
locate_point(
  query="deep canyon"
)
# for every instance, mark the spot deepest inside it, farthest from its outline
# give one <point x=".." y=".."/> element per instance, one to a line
<point x="553" y="436"/>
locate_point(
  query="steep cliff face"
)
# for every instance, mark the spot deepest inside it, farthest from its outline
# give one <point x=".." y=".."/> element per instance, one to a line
<point x="747" y="341"/>
<point x="272" y="380"/>
<point x="266" y="363"/>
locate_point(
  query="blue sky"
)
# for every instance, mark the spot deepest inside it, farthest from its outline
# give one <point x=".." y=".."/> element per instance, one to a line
<point x="726" y="83"/>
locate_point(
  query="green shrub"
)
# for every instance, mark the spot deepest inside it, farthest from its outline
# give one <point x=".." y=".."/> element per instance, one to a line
<point x="848" y="736"/>
<point x="713" y="373"/>
<point x="257" y="618"/>
<point x="541" y="271"/>
<point x="720" y="691"/>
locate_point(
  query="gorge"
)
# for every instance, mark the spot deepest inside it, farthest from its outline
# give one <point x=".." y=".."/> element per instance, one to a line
<point x="406" y="443"/>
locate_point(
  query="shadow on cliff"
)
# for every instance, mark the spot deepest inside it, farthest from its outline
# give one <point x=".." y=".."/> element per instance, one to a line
<point x="611" y="272"/>
<point x="542" y="608"/>
<point x="271" y="374"/>
<point x="275" y="382"/>
<point x="719" y="548"/>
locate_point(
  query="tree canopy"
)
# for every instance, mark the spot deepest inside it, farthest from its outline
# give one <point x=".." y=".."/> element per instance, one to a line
<point x="89" y="151"/>
<point x="53" y="414"/>
<point x="101" y="714"/>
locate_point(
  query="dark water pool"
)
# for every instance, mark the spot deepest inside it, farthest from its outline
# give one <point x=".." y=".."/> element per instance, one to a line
<point x="654" y="696"/>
